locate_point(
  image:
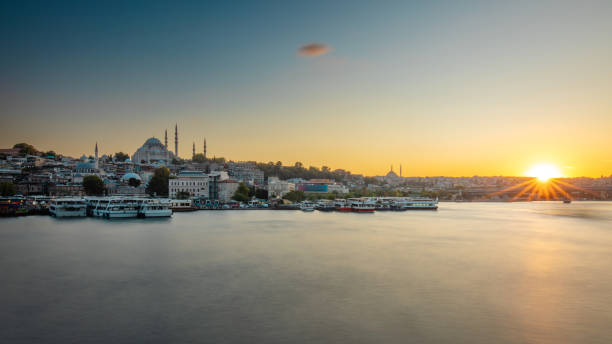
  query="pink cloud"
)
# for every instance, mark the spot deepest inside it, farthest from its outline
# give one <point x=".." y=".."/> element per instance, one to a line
<point x="313" y="49"/>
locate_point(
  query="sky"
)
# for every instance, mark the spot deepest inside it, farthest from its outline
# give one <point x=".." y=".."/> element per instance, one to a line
<point x="455" y="88"/>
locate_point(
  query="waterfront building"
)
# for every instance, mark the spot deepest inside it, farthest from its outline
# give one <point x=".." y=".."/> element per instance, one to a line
<point x="153" y="152"/>
<point x="227" y="188"/>
<point x="196" y="183"/>
<point x="278" y="188"/>
<point x="214" y="178"/>
<point x="246" y="172"/>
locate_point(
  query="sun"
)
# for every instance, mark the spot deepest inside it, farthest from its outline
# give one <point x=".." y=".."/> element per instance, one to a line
<point x="544" y="172"/>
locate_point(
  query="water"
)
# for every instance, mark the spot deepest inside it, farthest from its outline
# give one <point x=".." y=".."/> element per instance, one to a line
<point x="468" y="273"/>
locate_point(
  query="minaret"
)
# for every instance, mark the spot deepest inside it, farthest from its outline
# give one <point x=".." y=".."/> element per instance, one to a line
<point x="204" y="149"/>
<point x="400" y="170"/>
<point x="166" y="139"/>
<point x="96" y="151"/>
<point x="176" y="140"/>
<point x="193" y="156"/>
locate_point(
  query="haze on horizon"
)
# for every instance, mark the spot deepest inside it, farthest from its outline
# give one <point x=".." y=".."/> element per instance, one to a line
<point x="443" y="88"/>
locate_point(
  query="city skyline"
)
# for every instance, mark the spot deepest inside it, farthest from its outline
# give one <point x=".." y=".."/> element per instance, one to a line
<point x="454" y="90"/>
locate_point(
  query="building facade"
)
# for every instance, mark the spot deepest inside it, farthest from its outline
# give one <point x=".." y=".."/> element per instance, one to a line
<point x="227" y="188"/>
<point x="196" y="183"/>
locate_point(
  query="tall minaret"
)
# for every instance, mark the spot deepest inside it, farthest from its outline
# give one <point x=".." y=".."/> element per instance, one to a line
<point x="166" y="139"/>
<point x="96" y="151"/>
<point x="176" y="140"/>
<point x="204" y="149"/>
<point x="400" y="170"/>
<point x="193" y="156"/>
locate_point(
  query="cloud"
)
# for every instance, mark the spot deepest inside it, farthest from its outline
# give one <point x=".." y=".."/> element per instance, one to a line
<point x="313" y="50"/>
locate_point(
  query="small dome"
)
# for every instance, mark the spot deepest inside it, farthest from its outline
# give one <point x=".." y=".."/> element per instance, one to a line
<point x="126" y="177"/>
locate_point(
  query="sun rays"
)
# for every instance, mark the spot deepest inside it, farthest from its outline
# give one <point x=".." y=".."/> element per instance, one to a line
<point x="540" y="188"/>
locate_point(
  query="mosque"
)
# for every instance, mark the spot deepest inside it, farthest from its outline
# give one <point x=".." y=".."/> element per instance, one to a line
<point x="154" y="152"/>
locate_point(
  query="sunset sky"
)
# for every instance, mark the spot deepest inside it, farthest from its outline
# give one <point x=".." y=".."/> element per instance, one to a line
<point x="455" y="88"/>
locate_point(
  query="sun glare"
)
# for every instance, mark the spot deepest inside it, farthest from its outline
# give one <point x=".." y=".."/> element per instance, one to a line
<point x="544" y="172"/>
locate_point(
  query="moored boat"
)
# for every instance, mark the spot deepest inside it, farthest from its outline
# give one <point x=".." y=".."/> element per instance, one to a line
<point x="155" y="208"/>
<point x="307" y="206"/>
<point x="68" y="207"/>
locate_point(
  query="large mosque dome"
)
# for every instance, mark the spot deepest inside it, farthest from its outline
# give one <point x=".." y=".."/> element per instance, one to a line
<point x="153" y="152"/>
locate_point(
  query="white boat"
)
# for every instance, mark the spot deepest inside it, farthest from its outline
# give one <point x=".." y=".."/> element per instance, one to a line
<point x="307" y="206"/>
<point x="121" y="208"/>
<point x="68" y="207"/>
<point x="419" y="203"/>
<point x="155" y="208"/>
<point x="362" y="205"/>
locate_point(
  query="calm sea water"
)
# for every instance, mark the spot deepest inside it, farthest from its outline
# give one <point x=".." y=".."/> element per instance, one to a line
<point x="468" y="273"/>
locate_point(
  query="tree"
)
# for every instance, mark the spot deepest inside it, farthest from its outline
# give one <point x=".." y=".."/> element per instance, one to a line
<point x="26" y="149"/>
<point x="7" y="189"/>
<point x="93" y="185"/>
<point x="134" y="182"/>
<point x="158" y="185"/>
<point x="295" y="196"/>
<point x="120" y="156"/>
<point x="50" y="153"/>
<point x="242" y="193"/>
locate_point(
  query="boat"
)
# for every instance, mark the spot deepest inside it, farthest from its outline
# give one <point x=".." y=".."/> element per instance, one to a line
<point x="155" y="208"/>
<point x="363" y="206"/>
<point x="307" y="206"/>
<point x="182" y="205"/>
<point x="68" y="207"/>
<point x="118" y="207"/>
<point x="325" y="205"/>
<point x="342" y="205"/>
<point x="567" y="200"/>
<point x="419" y="203"/>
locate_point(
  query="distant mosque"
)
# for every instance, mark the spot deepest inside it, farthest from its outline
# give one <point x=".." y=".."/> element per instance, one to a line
<point x="154" y="152"/>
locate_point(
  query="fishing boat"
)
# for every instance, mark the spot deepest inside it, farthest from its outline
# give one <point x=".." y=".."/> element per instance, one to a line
<point x="68" y="207"/>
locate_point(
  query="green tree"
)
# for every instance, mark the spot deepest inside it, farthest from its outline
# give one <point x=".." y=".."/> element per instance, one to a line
<point x="295" y="196"/>
<point x="7" y="189"/>
<point x="25" y="148"/>
<point x="158" y="185"/>
<point x="93" y="185"/>
<point x="242" y="193"/>
<point x="50" y="153"/>
<point x="120" y="156"/>
<point x="134" y="182"/>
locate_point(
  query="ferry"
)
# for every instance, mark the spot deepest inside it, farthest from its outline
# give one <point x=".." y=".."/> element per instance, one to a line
<point x="307" y="206"/>
<point x="68" y="207"/>
<point x="342" y="205"/>
<point x="121" y="208"/>
<point x="182" y="205"/>
<point x="155" y="208"/>
<point x="363" y="206"/>
<point x="419" y="203"/>
<point x="325" y="205"/>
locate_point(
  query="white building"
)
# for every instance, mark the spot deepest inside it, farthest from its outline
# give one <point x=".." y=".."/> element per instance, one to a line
<point x="193" y="182"/>
<point x="227" y="189"/>
<point x="337" y="188"/>
<point x="279" y="188"/>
